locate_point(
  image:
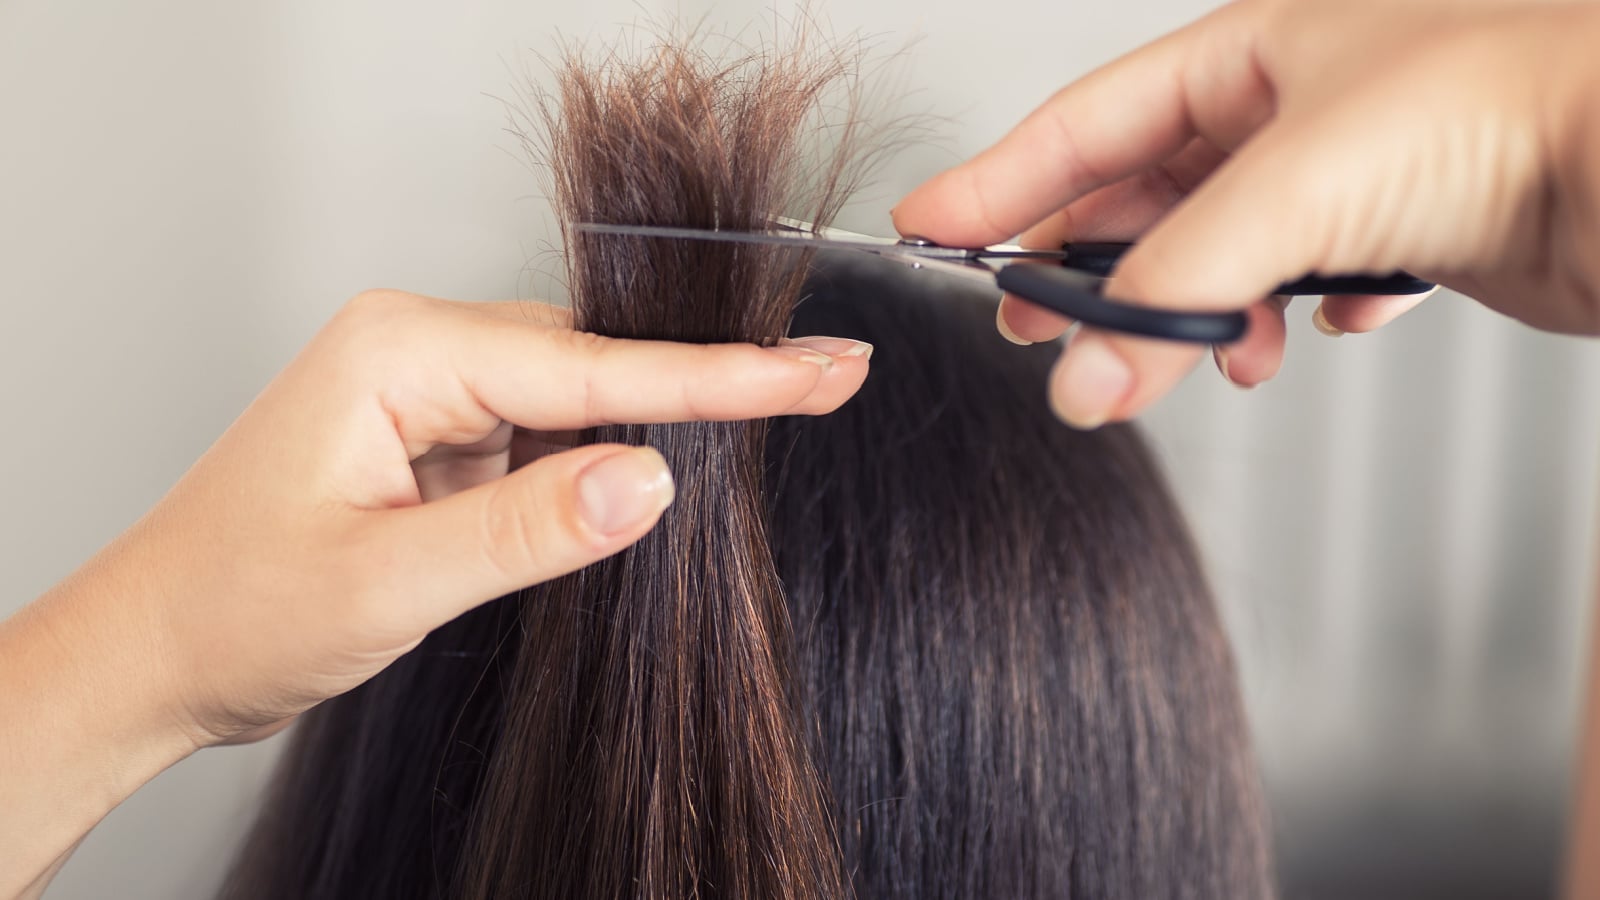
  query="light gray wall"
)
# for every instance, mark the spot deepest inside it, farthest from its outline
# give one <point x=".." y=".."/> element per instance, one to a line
<point x="1401" y="526"/>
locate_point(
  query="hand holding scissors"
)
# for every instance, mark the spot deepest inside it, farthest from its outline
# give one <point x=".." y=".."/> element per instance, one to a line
<point x="1269" y="139"/>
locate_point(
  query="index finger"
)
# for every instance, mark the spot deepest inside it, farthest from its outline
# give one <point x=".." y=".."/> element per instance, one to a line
<point x="580" y="380"/>
<point x="451" y="373"/>
<point x="1132" y="114"/>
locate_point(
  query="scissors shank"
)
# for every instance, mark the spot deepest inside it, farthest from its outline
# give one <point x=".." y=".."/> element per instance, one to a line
<point x="964" y="268"/>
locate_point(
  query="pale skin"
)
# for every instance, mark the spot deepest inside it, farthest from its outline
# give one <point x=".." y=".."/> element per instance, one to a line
<point x="1457" y="139"/>
<point x="375" y="490"/>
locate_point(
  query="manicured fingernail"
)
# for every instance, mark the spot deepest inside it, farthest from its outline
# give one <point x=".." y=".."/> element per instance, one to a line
<point x="837" y="348"/>
<point x="1221" y="356"/>
<point x="1090" y="383"/>
<point x="1005" y="330"/>
<point x="624" y="490"/>
<point x="803" y="354"/>
<point x="1319" y="320"/>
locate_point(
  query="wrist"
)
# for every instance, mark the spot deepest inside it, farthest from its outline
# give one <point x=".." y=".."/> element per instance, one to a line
<point x="84" y="719"/>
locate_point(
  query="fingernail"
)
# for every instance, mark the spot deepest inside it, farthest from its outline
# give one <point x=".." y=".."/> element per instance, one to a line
<point x="1319" y="320"/>
<point x="803" y="354"/>
<point x="1005" y="330"/>
<point x="836" y="348"/>
<point x="1218" y="354"/>
<point x="1090" y="383"/>
<point x="623" y="490"/>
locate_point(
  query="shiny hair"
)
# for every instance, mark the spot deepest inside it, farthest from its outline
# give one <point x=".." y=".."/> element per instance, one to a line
<point x="936" y="644"/>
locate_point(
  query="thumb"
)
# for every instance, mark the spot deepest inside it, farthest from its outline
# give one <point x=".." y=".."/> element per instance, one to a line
<point x="551" y="517"/>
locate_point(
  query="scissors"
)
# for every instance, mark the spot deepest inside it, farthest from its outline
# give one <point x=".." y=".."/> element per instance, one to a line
<point x="1070" y="282"/>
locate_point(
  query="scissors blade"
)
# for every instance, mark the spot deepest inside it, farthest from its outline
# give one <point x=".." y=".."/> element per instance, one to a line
<point x="956" y="262"/>
<point x="785" y="238"/>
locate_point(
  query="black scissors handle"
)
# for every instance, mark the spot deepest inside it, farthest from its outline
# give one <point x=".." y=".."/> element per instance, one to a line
<point x="1077" y="295"/>
<point x="1075" y="289"/>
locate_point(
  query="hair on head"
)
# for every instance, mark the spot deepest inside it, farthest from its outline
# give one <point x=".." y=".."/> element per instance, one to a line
<point x="1017" y="680"/>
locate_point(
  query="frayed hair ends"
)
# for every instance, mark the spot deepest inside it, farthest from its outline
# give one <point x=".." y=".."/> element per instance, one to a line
<point x="679" y="135"/>
<point x="933" y="645"/>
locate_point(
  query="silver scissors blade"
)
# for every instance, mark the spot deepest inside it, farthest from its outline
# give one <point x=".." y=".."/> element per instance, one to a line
<point x="797" y="233"/>
<point x="782" y="238"/>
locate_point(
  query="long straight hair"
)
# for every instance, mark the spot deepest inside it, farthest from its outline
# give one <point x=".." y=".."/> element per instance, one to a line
<point x="933" y="645"/>
<point x="1016" y="679"/>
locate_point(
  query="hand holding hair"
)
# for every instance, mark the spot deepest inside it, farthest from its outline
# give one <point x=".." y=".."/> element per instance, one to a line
<point x="1273" y="139"/>
<point x="371" y="493"/>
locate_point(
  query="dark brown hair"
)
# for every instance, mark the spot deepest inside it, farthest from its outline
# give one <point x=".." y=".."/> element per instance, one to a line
<point x="973" y="655"/>
<point x="668" y="760"/>
<point x="1017" y="680"/>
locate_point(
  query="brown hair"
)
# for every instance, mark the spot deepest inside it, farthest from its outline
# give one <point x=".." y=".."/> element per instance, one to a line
<point x="669" y="759"/>
<point x="1004" y="677"/>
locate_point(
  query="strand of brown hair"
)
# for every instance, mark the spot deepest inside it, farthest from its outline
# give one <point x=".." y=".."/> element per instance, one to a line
<point x="653" y="749"/>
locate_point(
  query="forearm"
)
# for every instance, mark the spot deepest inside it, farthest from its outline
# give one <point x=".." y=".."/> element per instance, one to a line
<point x="82" y="724"/>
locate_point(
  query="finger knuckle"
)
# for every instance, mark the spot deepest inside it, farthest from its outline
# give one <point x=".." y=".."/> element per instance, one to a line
<point x="382" y="315"/>
<point x="381" y="303"/>
<point x="704" y="394"/>
<point x="587" y="388"/>
<point x="516" y="534"/>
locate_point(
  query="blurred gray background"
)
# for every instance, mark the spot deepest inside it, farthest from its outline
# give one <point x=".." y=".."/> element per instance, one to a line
<point x="1402" y="526"/>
